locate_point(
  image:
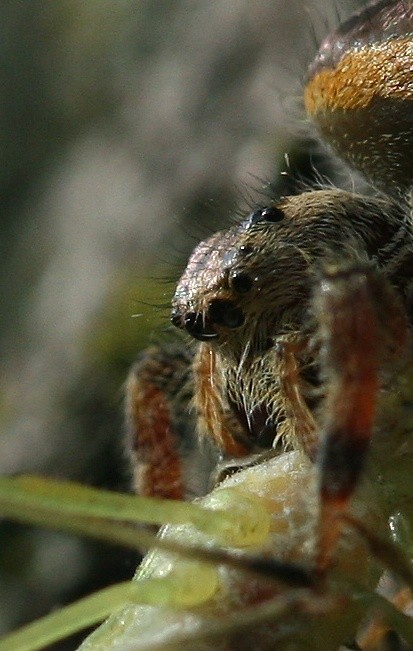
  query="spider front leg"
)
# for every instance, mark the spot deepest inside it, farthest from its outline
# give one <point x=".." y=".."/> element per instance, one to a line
<point x="215" y="418"/>
<point x="159" y="424"/>
<point x="362" y="327"/>
<point x="300" y="426"/>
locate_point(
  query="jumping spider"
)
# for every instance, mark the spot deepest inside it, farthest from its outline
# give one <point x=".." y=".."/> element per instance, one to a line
<point x="302" y="372"/>
<point x="302" y="310"/>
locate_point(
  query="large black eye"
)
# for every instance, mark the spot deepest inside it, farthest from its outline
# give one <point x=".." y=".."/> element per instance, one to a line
<point x="199" y="326"/>
<point x="270" y="214"/>
<point x="226" y="313"/>
<point x="241" y="282"/>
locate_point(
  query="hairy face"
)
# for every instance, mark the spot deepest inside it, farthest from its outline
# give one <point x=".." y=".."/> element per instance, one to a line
<point x="253" y="282"/>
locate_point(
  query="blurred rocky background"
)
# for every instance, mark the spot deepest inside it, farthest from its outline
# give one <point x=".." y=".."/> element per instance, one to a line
<point x="129" y="130"/>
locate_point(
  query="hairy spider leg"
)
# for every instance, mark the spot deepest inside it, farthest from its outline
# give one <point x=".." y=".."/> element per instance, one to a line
<point x="355" y="345"/>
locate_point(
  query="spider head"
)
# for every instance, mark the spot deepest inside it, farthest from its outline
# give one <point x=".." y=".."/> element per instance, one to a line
<point x="244" y="287"/>
<point x="224" y="296"/>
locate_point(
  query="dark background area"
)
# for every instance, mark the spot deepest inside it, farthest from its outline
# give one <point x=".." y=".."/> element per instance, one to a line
<point x="128" y="131"/>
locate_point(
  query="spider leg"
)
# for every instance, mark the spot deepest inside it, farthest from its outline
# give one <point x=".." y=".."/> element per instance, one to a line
<point x="153" y="429"/>
<point x="377" y="633"/>
<point x="215" y="418"/>
<point x="300" y="425"/>
<point x="362" y="327"/>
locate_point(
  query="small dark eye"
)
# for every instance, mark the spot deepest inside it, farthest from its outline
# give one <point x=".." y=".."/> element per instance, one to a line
<point x="273" y="214"/>
<point x="176" y="319"/>
<point x="270" y="214"/>
<point x="246" y="249"/>
<point x="241" y="282"/>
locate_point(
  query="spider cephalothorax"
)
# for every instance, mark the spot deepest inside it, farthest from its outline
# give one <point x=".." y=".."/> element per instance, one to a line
<point x="247" y="291"/>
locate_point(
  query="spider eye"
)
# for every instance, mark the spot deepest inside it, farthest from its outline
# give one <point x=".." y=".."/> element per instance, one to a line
<point x="270" y="214"/>
<point x="241" y="282"/>
<point x="246" y="249"/>
<point x="198" y="326"/>
<point x="226" y="313"/>
<point x="176" y="320"/>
